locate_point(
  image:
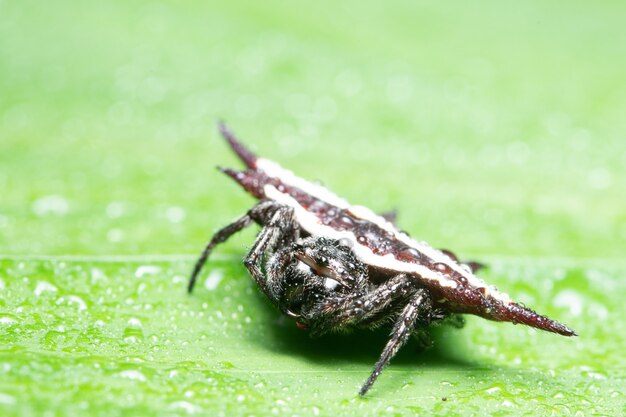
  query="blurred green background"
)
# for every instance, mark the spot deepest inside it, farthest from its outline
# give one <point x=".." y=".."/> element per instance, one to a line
<point x="495" y="128"/>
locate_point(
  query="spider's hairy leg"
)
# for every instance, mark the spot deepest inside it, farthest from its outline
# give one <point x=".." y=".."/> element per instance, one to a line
<point x="255" y="213"/>
<point x="419" y="305"/>
<point x="359" y="308"/>
<point x="280" y="229"/>
<point x="367" y="309"/>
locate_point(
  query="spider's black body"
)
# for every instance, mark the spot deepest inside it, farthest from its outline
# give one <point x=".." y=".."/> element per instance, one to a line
<point x="329" y="265"/>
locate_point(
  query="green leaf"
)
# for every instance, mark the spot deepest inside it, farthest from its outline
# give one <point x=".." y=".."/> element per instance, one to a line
<point x="496" y="130"/>
<point x="122" y="336"/>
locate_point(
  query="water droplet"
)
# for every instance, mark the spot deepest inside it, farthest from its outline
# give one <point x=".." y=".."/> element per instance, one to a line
<point x="51" y="204"/>
<point x="7" y="320"/>
<point x="97" y="275"/>
<point x="213" y="280"/>
<point x="115" y="209"/>
<point x="115" y="235"/>
<point x="185" y="405"/>
<point x="74" y="299"/>
<point x="146" y="270"/>
<point x="133" y="374"/>
<point x="133" y="332"/>
<point x="600" y="178"/>
<point x="408" y="255"/>
<point x="599" y="311"/>
<point x="346" y="242"/>
<point x="175" y="214"/>
<point x="346" y="222"/>
<point x="493" y="390"/>
<point x="44" y="286"/>
<point x="7" y="399"/>
<point x="131" y="340"/>
<point x="54" y="338"/>
<point x="134" y="322"/>
<point x="570" y="299"/>
<point x="596" y="375"/>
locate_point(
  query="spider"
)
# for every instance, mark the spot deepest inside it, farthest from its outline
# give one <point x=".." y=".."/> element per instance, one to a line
<point x="332" y="266"/>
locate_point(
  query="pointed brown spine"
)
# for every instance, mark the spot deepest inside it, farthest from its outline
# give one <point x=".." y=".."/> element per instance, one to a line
<point x="242" y="152"/>
<point x="252" y="181"/>
<point x="516" y="313"/>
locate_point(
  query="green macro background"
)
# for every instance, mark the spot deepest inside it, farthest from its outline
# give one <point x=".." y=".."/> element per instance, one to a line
<point x="495" y="128"/>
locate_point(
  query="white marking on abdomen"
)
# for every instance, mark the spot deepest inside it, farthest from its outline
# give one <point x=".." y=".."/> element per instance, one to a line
<point x="432" y="253"/>
<point x="311" y="224"/>
<point x="272" y="169"/>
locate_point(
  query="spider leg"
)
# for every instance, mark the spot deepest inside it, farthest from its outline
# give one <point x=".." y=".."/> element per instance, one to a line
<point x="255" y="213"/>
<point x="391" y="216"/>
<point x="279" y="230"/>
<point x="361" y="308"/>
<point x="418" y="305"/>
<point x="475" y="266"/>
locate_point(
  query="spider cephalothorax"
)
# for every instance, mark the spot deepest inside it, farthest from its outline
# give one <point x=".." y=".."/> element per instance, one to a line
<point x="305" y="274"/>
<point x="332" y="266"/>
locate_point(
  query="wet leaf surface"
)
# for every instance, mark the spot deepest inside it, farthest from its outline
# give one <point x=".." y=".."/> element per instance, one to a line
<point x="114" y="337"/>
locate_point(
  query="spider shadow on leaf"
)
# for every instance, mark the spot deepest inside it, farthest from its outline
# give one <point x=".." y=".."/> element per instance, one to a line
<point x="360" y="346"/>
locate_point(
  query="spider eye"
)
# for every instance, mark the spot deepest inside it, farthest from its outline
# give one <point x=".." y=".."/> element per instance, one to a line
<point x="322" y="261"/>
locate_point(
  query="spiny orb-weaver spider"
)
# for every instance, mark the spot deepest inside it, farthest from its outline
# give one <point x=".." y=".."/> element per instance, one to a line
<point x="329" y="265"/>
